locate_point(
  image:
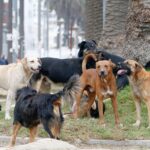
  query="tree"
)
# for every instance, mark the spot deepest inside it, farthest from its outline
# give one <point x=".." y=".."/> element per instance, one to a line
<point x="115" y="17"/>
<point x="106" y="19"/>
<point x="70" y="11"/>
<point x="137" y="40"/>
<point x="94" y="19"/>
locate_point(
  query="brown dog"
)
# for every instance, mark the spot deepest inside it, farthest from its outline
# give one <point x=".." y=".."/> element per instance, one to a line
<point x="139" y="80"/>
<point x="98" y="82"/>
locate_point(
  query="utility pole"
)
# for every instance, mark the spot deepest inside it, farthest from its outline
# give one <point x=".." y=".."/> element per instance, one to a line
<point x="39" y="26"/>
<point x="1" y="26"/>
<point x="9" y="29"/>
<point x="47" y="27"/>
<point x="21" y="29"/>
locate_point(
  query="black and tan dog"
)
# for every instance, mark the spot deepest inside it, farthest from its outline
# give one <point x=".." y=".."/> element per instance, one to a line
<point x="139" y="80"/>
<point x="99" y="82"/>
<point x="33" y="108"/>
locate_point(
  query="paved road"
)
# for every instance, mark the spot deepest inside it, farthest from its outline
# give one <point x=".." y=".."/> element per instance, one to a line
<point x="95" y="144"/>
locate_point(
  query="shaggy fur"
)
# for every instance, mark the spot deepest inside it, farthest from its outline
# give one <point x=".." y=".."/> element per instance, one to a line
<point x="33" y="108"/>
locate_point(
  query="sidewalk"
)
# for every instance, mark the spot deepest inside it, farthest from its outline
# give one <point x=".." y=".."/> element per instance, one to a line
<point x="89" y="145"/>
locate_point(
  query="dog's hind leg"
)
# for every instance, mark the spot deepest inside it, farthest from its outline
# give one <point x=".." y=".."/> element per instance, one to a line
<point x="100" y="109"/>
<point x="138" y="111"/>
<point x="10" y="96"/>
<point x="33" y="133"/>
<point x="90" y="101"/>
<point x="78" y="100"/>
<point x="16" y="128"/>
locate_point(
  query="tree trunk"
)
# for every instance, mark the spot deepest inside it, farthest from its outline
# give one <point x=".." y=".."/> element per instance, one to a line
<point x="115" y="17"/>
<point x="137" y="42"/>
<point x="94" y="19"/>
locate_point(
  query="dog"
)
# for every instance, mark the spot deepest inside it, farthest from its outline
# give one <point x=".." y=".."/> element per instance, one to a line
<point x="98" y="82"/>
<point x="15" y="76"/>
<point x="91" y="46"/>
<point x="60" y="70"/>
<point x="43" y="85"/>
<point x="33" y="108"/>
<point x="121" y="79"/>
<point x="139" y="80"/>
<point x="84" y="46"/>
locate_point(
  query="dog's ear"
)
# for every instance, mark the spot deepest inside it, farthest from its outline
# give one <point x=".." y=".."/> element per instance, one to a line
<point x="94" y="42"/>
<point x="138" y="67"/>
<point x="24" y="60"/>
<point x="112" y="64"/>
<point x="81" y="45"/>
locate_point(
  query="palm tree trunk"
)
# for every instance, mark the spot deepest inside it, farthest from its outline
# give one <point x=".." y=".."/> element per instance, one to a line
<point x="115" y="17"/>
<point x="94" y="19"/>
<point x="138" y="32"/>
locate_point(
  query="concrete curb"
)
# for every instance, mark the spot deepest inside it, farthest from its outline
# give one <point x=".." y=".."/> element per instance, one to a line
<point x="139" y="143"/>
<point x="4" y="140"/>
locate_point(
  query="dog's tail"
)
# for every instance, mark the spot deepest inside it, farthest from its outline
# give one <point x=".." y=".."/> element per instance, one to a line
<point x="69" y="91"/>
<point x="71" y="88"/>
<point x="86" y="58"/>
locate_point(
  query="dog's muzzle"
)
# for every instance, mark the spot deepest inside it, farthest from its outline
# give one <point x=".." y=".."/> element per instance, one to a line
<point x="102" y="74"/>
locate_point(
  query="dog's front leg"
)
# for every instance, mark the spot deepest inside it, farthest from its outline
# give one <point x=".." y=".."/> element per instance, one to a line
<point x="138" y="112"/>
<point x="33" y="133"/>
<point x="148" y="108"/>
<point x="115" y="108"/>
<point x="10" y="96"/>
<point x="100" y="109"/>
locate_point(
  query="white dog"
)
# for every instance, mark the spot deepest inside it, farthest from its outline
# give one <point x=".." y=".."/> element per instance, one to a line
<point x="15" y="76"/>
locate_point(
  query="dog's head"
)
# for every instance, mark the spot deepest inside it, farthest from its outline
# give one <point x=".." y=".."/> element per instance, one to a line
<point x="32" y="64"/>
<point x="84" y="46"/>
<point x="104" y="68"/>
<point x="129" y="67"/>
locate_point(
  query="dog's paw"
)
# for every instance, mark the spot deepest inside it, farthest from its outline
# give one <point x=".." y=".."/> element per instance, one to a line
<point x="137" y="124"/>
<point x="7" y="117"/>
<point x="103" y="125"/>
<point x="120" y="125"/>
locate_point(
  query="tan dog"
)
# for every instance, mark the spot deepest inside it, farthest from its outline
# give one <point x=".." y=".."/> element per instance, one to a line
<point x="139" y="80"/>
<point x="15" y="76"/>
<point x="99" y="82"/>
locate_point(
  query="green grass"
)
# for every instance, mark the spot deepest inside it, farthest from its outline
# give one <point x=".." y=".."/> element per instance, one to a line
<point x="86" y="128"/>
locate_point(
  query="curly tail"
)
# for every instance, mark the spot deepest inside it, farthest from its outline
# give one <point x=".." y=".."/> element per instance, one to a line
<point x="86" y="58"/>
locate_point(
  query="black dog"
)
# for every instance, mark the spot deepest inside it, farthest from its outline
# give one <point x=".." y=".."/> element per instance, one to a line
<point x="86" y="46"/>
<point x="32" y="109"/>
